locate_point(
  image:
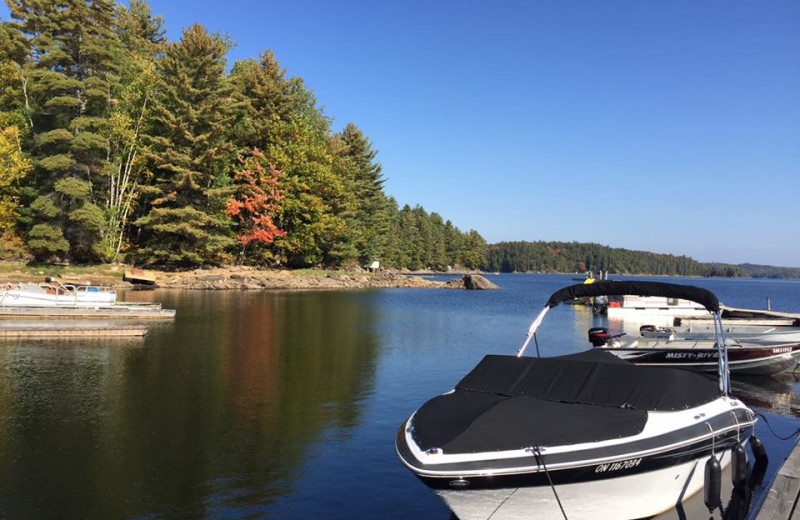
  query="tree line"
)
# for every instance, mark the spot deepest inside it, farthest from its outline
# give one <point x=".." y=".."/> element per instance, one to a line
<point x="580" y="257"/>
<point x="118" y="144"/>
<point x="570" y="257"/>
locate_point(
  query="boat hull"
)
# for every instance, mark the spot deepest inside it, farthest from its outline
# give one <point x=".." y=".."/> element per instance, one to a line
<point x="31" y="295"/>
<point x="635" y="479"/>
<point x="758" y="360"/>
<point x="655" y="492"/>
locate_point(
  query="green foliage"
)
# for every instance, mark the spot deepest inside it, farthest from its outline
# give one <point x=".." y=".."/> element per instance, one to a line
<point x="46" y="241"/>
<point x="46" y="207"/>
<point x="187" y="237"/>
<point x="189" y="155"/>
<point x="73" y="187"/>
<point x="57" y="139"/>
<point x="134" y="140"/>
<point x="57" y="163"/>
<point x="419" y="240"/>
<point x="67" y="59"/>
<point x="14" y="167"/>
<point x="369" y="221"/>
<point x="579" y="257"/>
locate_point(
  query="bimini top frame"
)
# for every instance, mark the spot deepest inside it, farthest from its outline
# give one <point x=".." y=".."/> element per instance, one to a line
<point x="686" y="292"/>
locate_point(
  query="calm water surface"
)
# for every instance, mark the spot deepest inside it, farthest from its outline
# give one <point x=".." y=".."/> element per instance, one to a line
<point x="285" y="405"/>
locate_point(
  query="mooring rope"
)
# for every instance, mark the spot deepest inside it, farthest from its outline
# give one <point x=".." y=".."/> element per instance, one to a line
<point x="501" y="504"/>
<point x="540" y="459"/>
<point x="773" y="431"/>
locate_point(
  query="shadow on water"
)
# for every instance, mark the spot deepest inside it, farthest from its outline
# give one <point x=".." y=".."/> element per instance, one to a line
<point x="212" y="417"/>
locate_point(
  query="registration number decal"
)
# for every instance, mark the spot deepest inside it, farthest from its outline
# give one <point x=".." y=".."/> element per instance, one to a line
<point x="616" y="466"/>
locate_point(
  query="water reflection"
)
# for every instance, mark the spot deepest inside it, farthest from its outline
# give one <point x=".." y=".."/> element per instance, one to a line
<point x="736" y="501"/>
<point x="213" y="417"/>
<point x="278" y="405"/>
<point x="777" y="394"/>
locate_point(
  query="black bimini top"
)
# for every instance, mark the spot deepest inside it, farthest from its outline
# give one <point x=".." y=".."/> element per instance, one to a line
<point x="686" y="292"/>
<point x="508" y="403"/>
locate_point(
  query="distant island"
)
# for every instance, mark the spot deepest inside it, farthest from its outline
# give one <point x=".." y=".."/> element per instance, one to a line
<point x="570" y="257"/>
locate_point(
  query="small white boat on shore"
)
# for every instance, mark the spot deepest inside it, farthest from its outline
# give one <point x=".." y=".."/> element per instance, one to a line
<point x="56" y="294"/>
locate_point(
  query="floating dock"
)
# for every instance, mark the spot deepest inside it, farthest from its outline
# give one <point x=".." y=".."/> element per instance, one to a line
<point x="781" y="502"/>
<point x="71" y="332"/>
<point x="123" y="311"/>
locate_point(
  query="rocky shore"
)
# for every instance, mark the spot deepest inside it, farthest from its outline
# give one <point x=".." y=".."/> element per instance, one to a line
<point x="253" y="279"/>
<point x="248" y="278"/>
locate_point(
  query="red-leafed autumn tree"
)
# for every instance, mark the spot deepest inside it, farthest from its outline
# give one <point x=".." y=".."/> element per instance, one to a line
<point x="255" y="200"/>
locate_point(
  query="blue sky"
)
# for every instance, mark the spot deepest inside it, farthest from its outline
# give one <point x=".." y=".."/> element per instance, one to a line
<point x="671" y="126"/>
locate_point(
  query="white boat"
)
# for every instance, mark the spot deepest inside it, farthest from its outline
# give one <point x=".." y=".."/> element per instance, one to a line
<point x="744" y="332"/>
<point x="56" y="294"/>
<point x="634" y="306"/>
<point x="663" y="348"/>
<point x="581" y="436"/>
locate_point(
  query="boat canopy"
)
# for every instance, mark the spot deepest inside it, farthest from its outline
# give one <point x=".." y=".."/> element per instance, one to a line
<point x="507" y="402"/>
<point x="636" y="288"/>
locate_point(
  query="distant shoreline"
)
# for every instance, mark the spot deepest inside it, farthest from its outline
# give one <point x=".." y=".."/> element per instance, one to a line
<point x="251" y="278"/>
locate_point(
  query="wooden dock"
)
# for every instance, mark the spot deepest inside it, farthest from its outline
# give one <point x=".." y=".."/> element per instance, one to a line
<point x="781" y="503"/>
<point x="134" y="312"/>
<point x="76" y="332"/>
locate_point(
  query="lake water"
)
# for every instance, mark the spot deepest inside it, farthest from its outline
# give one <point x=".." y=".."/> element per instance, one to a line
<point x="284" y="405"/>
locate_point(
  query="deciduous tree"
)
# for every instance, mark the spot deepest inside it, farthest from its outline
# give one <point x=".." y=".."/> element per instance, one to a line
<point x="255" y="202"/>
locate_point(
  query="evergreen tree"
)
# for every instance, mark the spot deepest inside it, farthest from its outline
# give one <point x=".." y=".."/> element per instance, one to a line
<point x="120" y="126"/>
<point x="190" y="155"/>
<point x="369" y="224"/>
<point x="14" y="55"/>
<point x="269" y="100"/>
<point x="69" y="82"/>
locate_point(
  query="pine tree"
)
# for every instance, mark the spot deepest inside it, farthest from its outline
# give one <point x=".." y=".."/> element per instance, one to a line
<point x="269" y="99"/>
<point x="370" y="220"/>
<point x="14" y="54"/>
<point x="70" y="78"/>
<point x="190" y="155"/>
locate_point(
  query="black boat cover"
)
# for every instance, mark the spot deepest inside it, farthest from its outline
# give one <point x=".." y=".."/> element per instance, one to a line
<point x="686" y="292"/>
<point x="507" y="402"/>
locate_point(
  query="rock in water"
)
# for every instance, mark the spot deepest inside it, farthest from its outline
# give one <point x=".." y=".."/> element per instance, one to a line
<point x="477" y="282"/>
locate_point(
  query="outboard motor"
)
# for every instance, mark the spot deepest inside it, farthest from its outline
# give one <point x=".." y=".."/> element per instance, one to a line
<point x="599" y="336"/>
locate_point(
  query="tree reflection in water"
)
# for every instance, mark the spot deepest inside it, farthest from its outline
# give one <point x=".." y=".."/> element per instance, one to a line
<point x="211" y="417"/>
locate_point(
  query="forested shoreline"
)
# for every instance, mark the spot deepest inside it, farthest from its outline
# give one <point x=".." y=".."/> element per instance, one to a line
<point x="571" y="257"/>
<point x="118" y="145"/>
